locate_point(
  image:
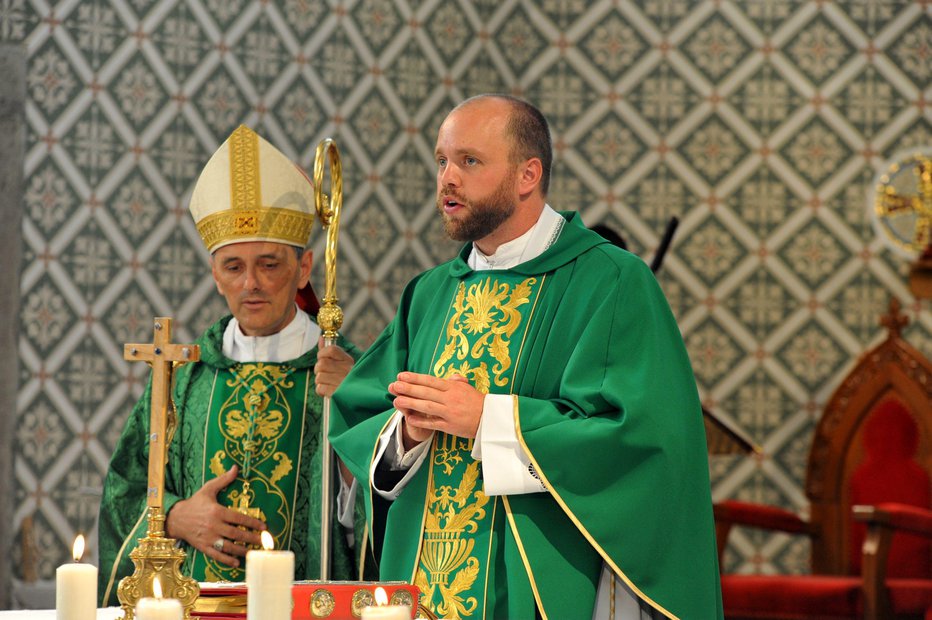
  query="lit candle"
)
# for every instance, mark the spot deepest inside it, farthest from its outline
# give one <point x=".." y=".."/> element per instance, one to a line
<point x="269" y="577"/>
<point x="76" y="587"/>
<point x="158" y="608"/>
<point x="383" y="611"/>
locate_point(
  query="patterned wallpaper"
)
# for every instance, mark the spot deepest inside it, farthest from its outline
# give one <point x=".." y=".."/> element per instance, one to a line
<point x="760" y="123"/>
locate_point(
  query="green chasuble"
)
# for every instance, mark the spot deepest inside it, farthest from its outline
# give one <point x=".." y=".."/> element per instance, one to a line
<point x="262" y="417"/>
<point x="606" y="407"/>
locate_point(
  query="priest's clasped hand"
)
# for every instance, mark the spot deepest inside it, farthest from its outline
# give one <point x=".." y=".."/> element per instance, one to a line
<point x="431" y="404"/>
<point x="333" y="364"/>
<point x="211" y="528"/>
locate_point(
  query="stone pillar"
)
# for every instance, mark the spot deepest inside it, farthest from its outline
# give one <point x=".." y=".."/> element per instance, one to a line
<point x="13" y="135"/>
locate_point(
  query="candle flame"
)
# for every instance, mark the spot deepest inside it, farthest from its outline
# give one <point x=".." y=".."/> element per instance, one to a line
<point x="381" y="598"/>
<point x="268" y="543"/>
<point x="77" y="551"/>
<point x="157" y="588"/>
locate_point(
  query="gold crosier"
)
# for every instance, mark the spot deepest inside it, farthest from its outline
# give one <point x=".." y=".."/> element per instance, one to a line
<point x="330" y="319"/>
<point x="156" y="554"/>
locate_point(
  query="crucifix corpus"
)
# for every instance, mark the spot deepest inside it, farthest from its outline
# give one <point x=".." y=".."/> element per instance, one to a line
<point x="156" y="555"/>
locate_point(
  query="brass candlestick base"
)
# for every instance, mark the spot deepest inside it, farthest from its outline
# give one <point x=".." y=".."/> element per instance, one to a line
<point x="157" y="556"/>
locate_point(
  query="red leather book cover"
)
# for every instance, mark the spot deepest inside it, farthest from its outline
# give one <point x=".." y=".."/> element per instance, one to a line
<point x="313" y="600"/>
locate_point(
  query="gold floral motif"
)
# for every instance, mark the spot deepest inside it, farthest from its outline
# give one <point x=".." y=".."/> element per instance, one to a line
<point x="478" y="375"/>
<point x="255" y="429"/>
<point x="216" y="464"/>
<point x="282" y="469"/>
<point x="446" y="552"/>
<point x="485" y="315"/>
<point x="268" y="426"/>
<point x="477" y="344"/>
<point x="252" y="420"/>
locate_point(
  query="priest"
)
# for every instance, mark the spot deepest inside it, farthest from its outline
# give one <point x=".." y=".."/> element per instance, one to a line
<point x="529" y="424"/>
<point x="245" y="456"/>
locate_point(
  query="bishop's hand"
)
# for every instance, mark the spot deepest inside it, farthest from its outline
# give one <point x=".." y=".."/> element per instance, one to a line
<point x="333" y="364"/>
<point x="431" y="404"/>
<point x="212" y="528"/>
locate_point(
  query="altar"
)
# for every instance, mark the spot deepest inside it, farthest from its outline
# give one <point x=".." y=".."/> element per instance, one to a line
<point x="109" y="613"/>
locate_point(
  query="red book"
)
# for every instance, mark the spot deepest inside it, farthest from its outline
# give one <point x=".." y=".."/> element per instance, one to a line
<point x="334" y="600"/>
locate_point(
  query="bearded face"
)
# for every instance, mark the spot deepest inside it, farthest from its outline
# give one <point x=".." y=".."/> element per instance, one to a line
<point x="478" y="218"/>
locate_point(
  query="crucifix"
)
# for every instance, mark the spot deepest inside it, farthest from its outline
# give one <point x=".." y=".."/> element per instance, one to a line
<point x="156" y="556"/>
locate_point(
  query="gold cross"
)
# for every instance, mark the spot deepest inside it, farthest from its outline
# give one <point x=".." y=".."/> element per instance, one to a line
<point x="162" y="355"/>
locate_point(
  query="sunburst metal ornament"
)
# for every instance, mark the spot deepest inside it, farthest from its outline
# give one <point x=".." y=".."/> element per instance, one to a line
<point x="902" y="214"/>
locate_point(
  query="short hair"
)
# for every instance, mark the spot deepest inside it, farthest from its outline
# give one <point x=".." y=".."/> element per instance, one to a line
<point x="529" y="132"/>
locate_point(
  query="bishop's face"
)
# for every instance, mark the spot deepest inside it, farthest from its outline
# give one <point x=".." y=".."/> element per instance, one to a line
<point x="477" y="189"/>
<point x="259" y="280"/>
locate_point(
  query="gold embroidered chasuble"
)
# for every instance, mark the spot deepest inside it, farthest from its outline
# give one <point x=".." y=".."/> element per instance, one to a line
<point x="482" y="341"/>
<point x="605" y="408"/>
<point x="255" y="422"/>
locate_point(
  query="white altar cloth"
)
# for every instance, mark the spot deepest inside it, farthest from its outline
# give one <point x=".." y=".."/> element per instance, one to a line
<point x="110" y="613"/>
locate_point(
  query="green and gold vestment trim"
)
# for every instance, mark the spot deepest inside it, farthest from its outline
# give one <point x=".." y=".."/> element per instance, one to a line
<point x="255" y="422"/>
<point x="482" y="341"/>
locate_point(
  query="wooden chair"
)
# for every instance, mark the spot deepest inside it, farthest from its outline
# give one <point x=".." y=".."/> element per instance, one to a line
<point x="868" y="483"/>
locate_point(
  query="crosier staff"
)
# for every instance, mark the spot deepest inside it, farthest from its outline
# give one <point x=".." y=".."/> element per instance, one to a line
<point x="330" y="319"/>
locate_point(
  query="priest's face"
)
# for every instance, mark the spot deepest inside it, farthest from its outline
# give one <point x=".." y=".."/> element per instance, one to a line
<point x="259" y="280"/>
<point x="477" y="181"/>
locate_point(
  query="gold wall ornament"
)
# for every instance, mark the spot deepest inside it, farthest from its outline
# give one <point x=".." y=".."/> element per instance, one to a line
<point x="330" y="319"/>
<point x="901" y="206"/>
<point x="156" y="555"/>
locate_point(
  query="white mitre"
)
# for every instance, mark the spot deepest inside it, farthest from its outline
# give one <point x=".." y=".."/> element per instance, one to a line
<point x="249" y="191"/>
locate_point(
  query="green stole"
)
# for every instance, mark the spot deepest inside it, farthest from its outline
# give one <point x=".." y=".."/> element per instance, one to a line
<point x="255" y="421"/>
<point x="462" y="538"/>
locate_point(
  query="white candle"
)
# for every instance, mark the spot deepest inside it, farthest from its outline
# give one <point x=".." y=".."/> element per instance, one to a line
<point x="269" y="578"/>
<point x="76" y="587"/>
<point x="386" y="612"/>
<point x="158" y="608"/>
<point x="383" y="611"/>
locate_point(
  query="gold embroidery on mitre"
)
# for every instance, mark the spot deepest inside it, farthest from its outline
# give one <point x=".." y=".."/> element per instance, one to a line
<point x="488" y="314"/>
<point x="447" y="567"/>
<point x="244" y="170"/>
<point x="283" y="218"/>
<point x="285" y="225"/>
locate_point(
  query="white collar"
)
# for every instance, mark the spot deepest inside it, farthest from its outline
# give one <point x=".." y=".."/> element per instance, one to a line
<point x="296" y="339"/>
<point x="528" y="246"/>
